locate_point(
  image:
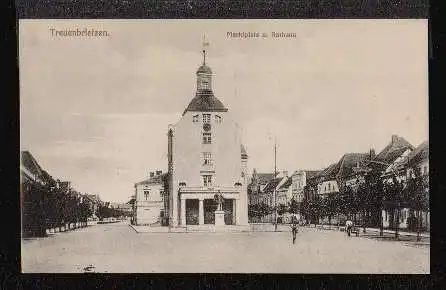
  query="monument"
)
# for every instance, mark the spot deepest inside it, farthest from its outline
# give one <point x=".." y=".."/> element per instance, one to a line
<point x="219" y="212"/>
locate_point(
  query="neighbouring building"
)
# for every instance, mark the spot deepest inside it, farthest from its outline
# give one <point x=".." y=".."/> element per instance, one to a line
<point x="392" y="162"/>
<point x="419" y="160"/>
<point x="149" y="203"/>
<point x="269" y="195"/>
<point x="327" y="182"/>
<point x="257" y="184"/>
<point x="284" y="196"/>
<point x="206" y="157"/>
<point x="300" y="179"/>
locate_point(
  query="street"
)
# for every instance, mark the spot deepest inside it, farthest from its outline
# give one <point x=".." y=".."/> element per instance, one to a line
<point x="117" y="248"/>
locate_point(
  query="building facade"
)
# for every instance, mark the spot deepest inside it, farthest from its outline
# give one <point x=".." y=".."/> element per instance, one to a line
<point x="419" y="161"/>
<point x="257" y="185"/>
<point x="392" y="162"/>
<point x="206" y="157"/>
<point x="149" y="203"/>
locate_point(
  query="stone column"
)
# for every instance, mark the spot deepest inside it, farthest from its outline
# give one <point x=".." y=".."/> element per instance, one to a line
<point x="234" y="211"/>
<point x="183" y="211"/>
<point x="200" y="211"/>
<point x="238" y="210"/>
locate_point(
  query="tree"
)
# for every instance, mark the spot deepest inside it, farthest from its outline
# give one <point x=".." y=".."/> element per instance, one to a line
<point x="364" y="196"/>
<point x="293" y="206"/>
<point x="376" y="198"/>
<point x="393" y="198"/>
<point x="346" y="201"/>
<point x="304" y="209"/>
<point x="417" y="197"/>
<point x="103" y="212"/>
<point x="316" y="207"/>
<point x="330" y="206"/>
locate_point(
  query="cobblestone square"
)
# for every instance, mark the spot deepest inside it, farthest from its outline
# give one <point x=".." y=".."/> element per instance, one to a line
<point x="117" y="248"/>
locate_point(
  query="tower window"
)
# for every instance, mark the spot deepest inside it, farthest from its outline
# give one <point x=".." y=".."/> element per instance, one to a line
<point x="207" y="158"/>
<point x="195" y="119"/>
<point x="206" y="118"/>
<point x="205" y="85"/>
<point x="207" y="180"/>
<point x="217" y="119"/>
<point x="206" y="138"/>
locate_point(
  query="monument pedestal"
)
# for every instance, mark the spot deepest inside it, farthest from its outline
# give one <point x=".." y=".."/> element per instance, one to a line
<point x="219" y="218"/>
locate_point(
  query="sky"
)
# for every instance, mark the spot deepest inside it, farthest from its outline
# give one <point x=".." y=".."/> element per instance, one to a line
<point x="95" y="110"/>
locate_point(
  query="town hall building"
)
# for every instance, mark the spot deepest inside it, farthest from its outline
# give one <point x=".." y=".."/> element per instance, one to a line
<point x="206" y="159"/>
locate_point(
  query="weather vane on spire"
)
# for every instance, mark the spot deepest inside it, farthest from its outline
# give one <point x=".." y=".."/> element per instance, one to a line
<point x="205" y="43"/>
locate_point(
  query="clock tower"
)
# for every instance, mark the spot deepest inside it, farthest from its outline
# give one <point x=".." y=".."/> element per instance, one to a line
<point x="206" y="158"/>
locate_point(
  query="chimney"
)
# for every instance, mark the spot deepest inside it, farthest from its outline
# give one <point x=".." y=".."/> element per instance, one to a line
<point x="285" y="173"/>
<point x="372" y="154"/>
<point x="394" y="138"/>
<point x="152" y="174"/>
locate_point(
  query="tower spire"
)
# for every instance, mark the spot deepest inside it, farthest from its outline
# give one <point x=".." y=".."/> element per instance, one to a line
<point x="205" y="43"/>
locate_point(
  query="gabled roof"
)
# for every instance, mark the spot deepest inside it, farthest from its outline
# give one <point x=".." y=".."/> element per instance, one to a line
<point x="158" y="179"/>
<point x="329" y="172"/>
<point x="349" y="161"/>
<point x="262" y="178"/>
<point x="420" y="153"/>
<point x="272" y="184"/>
<point x="205" y="101"/>
<point x="311" y="173"/>
<point x="344" y="167"/>
<point x="28" y="161"/>
<point x="286" y="184"/>
<point x="393" y="150"/>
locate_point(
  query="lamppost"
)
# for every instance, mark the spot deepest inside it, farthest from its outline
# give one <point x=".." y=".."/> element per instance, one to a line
<point x="274" y="177"/>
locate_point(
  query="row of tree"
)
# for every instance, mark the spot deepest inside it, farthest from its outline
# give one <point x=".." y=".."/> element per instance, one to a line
<point x="365" y="201"/>
<point x="104" y="211"/>
<point x="48" y="207"/>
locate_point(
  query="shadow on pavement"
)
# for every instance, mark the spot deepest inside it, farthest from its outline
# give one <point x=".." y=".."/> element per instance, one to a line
<point x="406" y="240"/>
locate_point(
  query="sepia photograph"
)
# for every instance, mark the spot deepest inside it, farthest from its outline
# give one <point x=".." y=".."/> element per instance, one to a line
<point x="224" y="146"/>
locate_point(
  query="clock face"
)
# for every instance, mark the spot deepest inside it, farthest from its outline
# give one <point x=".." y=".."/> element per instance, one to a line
<point x="207" y="127"/>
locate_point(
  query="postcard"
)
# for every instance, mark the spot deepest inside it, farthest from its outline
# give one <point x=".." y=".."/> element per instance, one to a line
<point x="224" y="146"/>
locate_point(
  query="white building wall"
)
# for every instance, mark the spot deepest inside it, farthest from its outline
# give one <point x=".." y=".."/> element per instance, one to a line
<point x="226" y="156"/>
<point x="327" y="187"/>
<point x="148" y="211"/>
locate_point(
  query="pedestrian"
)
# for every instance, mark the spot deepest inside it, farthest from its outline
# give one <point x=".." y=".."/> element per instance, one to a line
<point x="348" y="226"/>
<point x="294" y="231"/>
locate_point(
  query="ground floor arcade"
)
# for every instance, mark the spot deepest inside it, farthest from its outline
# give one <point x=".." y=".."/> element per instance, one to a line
<point x="198" y="206"/>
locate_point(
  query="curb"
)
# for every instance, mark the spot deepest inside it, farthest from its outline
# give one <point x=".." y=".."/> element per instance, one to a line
<point x="407" y="234"/>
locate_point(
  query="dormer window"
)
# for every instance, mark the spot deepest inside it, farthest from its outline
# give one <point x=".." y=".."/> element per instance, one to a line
<point x="195" y="119"/>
